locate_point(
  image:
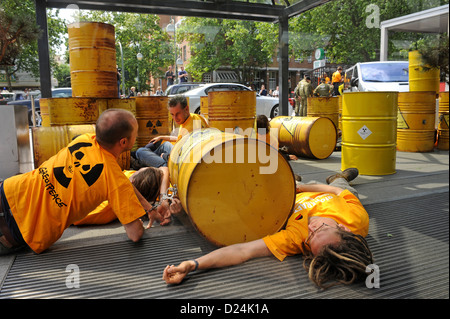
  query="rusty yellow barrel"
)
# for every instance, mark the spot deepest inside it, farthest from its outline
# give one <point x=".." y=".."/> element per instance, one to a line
<point x="443" y="136"/>
<point x="421" y="77"/>
<point x="92" y="54"/>
<point x="204" y="106"/>
<point x="82" y="110"/>
<point x="415" y="121"/>
<point x="324" y="107"/>
<point x="43" y="104"/>
<point x="312" y="137"/>
<point x="47" y="141"/>
<point x="152" y="116"/>
<point x="75" y="110"/>
<point x="369" y="132"/>
<point x="228" y="110"/>
<point x="227" y="185"/>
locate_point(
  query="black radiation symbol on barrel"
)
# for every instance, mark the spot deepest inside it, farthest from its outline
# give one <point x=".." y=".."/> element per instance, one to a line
<point x="153" y="127"/>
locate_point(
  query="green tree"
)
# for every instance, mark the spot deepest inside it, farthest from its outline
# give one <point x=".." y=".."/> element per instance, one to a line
<point x="240" y="45"/>
<point x="349" y="29"/>
<point x="20" y="15"/>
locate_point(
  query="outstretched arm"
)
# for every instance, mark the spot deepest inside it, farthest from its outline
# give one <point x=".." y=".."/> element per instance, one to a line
<point x="223" y="257"/>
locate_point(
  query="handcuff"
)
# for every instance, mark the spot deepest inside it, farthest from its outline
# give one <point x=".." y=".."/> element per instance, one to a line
<point x="163" y="197"/>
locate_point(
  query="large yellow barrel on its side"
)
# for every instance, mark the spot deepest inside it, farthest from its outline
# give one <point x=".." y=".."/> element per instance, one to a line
<point x="313" y="137"/>
<point x="415" y="121"/>
<point x="234" y="188"/>
<point x="47" y="141"/>
<point x="92" y="53"/>
<point x="443" y="131"/>
<point x="369" y="132"/>
<point x="228" y="110"/>
<point x="153" y="118"/>
<point x="324" y="107"/>
<point x="421" y="78"/>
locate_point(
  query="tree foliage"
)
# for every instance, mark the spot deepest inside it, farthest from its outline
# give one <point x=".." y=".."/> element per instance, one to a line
<point x="349" y="29"/>
<point x="239" y="45"/>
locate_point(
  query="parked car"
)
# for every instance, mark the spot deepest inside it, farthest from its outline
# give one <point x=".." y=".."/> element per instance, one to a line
<point x="58" y="92"/>
<point x="269" y="106"/>
<point x="379" y="76"/>
<point x="181" y="88"/>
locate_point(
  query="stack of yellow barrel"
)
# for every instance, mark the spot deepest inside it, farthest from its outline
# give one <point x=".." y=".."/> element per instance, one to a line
<point x="94" y="89"/>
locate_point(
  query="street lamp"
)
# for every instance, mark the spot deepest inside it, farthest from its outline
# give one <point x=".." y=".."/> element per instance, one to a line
<point x="123" y="69"/>
<point x="171" y="30"/>
<point x="139" y="56"/>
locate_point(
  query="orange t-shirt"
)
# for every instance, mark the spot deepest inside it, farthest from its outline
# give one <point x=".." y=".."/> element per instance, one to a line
<point x="67" y="187"/>
<point x="336" y="77"/>
<point x="103" y="214"/>
<point x="345" y="209"/>
<point x="193" y="122"/>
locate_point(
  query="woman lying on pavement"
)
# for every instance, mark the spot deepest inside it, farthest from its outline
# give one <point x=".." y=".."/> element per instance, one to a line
<point x="328" y="226"/>
<point x="152" y="183"/>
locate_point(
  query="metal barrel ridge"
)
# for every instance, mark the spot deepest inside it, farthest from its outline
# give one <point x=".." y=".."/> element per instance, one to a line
<point x="224" y="189"/>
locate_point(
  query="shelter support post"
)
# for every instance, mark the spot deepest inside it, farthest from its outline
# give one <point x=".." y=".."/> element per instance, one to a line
<point x="43" y="50"/>
<point x="283" y="73"/>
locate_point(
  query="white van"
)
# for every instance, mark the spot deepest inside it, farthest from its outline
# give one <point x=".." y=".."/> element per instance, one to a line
<point x="378" y="76"/>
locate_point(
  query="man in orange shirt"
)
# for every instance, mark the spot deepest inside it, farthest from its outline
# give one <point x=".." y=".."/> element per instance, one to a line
<point x="155" y="154"/>
<point x="336" y="80"/>
<point x="36" y="207"/>
<point x="327" y="221"/>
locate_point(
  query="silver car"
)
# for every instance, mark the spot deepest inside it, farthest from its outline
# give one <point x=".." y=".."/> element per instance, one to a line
<point x="264" y="104"/>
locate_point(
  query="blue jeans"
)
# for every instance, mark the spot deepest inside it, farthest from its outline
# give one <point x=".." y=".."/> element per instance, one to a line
<point x="151" y="158"/>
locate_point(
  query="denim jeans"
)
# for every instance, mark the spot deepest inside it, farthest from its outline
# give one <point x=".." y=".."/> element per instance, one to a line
<point x="151" y="158"/>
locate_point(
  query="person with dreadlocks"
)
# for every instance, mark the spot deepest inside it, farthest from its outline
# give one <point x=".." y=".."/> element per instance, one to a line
<point x="327" y="226"/>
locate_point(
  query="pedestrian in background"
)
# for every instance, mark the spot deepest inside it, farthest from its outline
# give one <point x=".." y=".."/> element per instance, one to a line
<point x="323" y="90"/>
<point x="336" y="80"/>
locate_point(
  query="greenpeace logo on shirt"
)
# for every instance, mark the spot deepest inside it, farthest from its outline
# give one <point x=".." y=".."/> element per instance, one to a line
<point x="50" y="187"/>
<point x="309" y="202"/>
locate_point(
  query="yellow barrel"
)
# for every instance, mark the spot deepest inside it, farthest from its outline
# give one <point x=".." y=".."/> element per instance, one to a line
<point x="152" y="116"/>
<point x="420" y="78"/>
<point x="227" y="185"/>
<point x="340" y="112"/>
<point x="124" y="104"/>
<point x="204" y="106"/>
<point x="75" y="110"/>
<point x="313" y="137"/>
<point x="415" y="121"/>
<point x="443" y="136"/>
<point x="92" y="54"/>
<point x="369" y="132"/>
<point x="43" y="105"/>
<point x="47" y="141"/>
<point x="324" y="107"/>
<point x="228" y="110"/>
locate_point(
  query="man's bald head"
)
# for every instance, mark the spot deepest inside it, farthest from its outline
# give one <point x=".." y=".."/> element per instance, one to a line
<point x="113" y="125"/>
